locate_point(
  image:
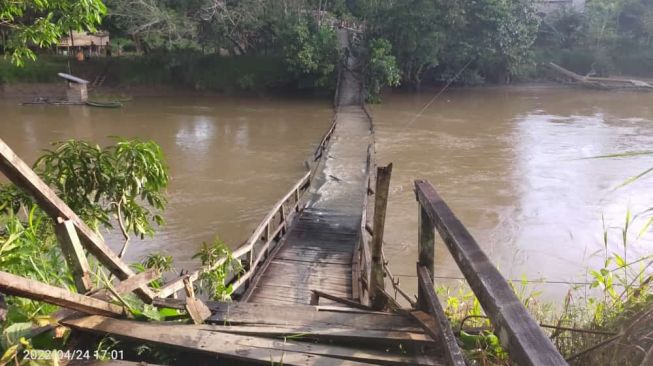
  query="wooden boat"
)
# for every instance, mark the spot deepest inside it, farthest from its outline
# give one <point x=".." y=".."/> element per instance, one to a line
<point x="114" y="104"/>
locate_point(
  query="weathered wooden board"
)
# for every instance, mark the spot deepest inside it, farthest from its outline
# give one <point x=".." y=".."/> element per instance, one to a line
<point x="19" y="286"/>
<point x="74" y="254"/>
<point x="332" y="334"/>
<point x="237" y="346"/>
<point x="517" y="330"/>
<point x="107" y="363"/>
<point x="255" y="313"/>
<point x="452" y="351"/>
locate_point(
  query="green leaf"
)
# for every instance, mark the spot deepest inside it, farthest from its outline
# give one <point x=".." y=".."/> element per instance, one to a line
<point x="13" y="333"/>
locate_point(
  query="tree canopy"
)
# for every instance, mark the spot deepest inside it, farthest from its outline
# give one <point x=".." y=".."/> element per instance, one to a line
<point x="42" y="23"/>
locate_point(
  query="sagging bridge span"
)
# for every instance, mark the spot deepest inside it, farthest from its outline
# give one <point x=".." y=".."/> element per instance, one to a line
<point x="314" y="289"/>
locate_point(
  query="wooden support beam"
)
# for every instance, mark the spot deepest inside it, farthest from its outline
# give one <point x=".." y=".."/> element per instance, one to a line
<point x="24" y="178"/>
<point x="377" y="281"/>
<point x="195" y="308"/>
<point x="137" y="281"/>
<point x="519" y="333"/>
<point x="74" y="254"/>
<point x="443" y="330"/>
<point x="426" y="251"/>
<point x="19" y="286"/>
<point x="244" y="348"/>
<point x="338" y="299"/>
<point x="341" y="334"/>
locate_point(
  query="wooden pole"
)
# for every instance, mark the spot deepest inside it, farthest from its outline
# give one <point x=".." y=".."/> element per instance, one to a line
<point x="24" y="287"/>
<point x="377" y="281"/>
<point x="24" y="178"/>
<point x="74" y="254"/>
<point x="426" y="253"/>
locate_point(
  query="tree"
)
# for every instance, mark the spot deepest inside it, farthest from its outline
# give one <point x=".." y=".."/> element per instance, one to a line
<point x="310" y="49"/>
<point x="124" y="182"/>
<point x="381" y="68"/>
<point x="153" y="23"/>
<point x="43" y="23"/>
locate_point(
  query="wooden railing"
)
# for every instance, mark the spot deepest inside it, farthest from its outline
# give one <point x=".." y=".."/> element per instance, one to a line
<point x="517" y="330"/>
<point x="256" y="249"/>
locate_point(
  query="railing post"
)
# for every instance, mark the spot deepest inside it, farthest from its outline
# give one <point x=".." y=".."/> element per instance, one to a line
<point x="426" y="251"/>
<point x="377" y="281"/>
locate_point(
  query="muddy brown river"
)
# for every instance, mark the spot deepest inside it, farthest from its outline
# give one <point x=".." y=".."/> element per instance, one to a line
<point x="511" y="162"/>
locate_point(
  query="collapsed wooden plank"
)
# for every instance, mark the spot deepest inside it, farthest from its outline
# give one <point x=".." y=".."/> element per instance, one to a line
<point x="74" y="254"/>
<point x="24" y="177"/>
<point x="19" y="286"/>
<point x="239" y="347"/>
<point x="317" y="294"/>
<point x="107" y="363"/>
<point x="452" y="351"/>
<point x="304" y="315"/>
<point x="323" y="333"/>
<point x="137" y="281"/>
<point x="194" y="307"/>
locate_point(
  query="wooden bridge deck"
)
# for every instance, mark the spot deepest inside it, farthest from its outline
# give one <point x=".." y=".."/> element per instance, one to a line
<point x="318" y="250"/>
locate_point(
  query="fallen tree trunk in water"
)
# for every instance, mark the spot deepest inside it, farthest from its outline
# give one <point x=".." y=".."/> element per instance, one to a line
<point x="601" y="82"/>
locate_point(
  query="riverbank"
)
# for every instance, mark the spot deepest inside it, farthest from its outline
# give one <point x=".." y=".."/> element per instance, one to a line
<point x="145" y="74"/>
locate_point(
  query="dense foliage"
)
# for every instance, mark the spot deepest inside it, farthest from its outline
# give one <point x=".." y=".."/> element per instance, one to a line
<point x="433" y="40"/>
<point x="42" y="23"/>
<point x="609" y="36"/>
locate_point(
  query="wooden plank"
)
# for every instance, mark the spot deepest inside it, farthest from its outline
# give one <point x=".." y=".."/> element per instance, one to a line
<point x="107" y="363"/>
<point x="234" y="346"/>
<point x="341" y="300"/>
<point x="74" y="254"/>
<point x="428" y="323"/>
<point x="426" y="251"/>
<point x="305" y="315"/>
<point x="331" y="334"/>
<point x="518" y="332"/>
<point x="452" y="351"/>
<point x="31" y="289"/>
<point x="285" y="289"/>
<point x="197" y="310"/>
<point x="377" y="280"/>
<point x="24" y="177"/>
<point x="136" y="281"/>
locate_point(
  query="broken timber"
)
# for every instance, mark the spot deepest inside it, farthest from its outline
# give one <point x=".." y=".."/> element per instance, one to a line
<point x="601" y="82"/>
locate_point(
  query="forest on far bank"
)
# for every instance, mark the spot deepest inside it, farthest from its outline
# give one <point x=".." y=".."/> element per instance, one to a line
<point x="292" y="43"/>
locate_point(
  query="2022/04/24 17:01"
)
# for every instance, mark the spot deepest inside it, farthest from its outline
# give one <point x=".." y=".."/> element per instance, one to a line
<point x="77" y="354"/>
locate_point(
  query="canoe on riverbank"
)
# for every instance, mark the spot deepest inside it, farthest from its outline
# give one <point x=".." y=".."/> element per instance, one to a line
<point x="114" y="104"/>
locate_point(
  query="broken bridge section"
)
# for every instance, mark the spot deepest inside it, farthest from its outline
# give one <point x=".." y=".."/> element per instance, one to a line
<point x="318" y="250"/>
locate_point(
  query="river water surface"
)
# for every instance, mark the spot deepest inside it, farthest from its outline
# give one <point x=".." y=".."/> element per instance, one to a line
<point x="511" y="162"/>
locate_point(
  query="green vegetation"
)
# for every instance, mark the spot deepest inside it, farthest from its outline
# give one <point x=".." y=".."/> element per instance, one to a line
<point x="123" y="183"/>
<point x="264" y="44"/>
<point x="42" y="23"/>
<point x="610" y="36"/>
<point x="606" y="322"/>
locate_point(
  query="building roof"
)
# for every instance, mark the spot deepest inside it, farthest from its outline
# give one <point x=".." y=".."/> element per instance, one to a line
<point x="73" y="79"/>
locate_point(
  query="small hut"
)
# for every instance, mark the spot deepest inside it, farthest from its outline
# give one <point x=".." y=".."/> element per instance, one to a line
<point x="77" y="90"/>
<point x="92" y="44"/>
